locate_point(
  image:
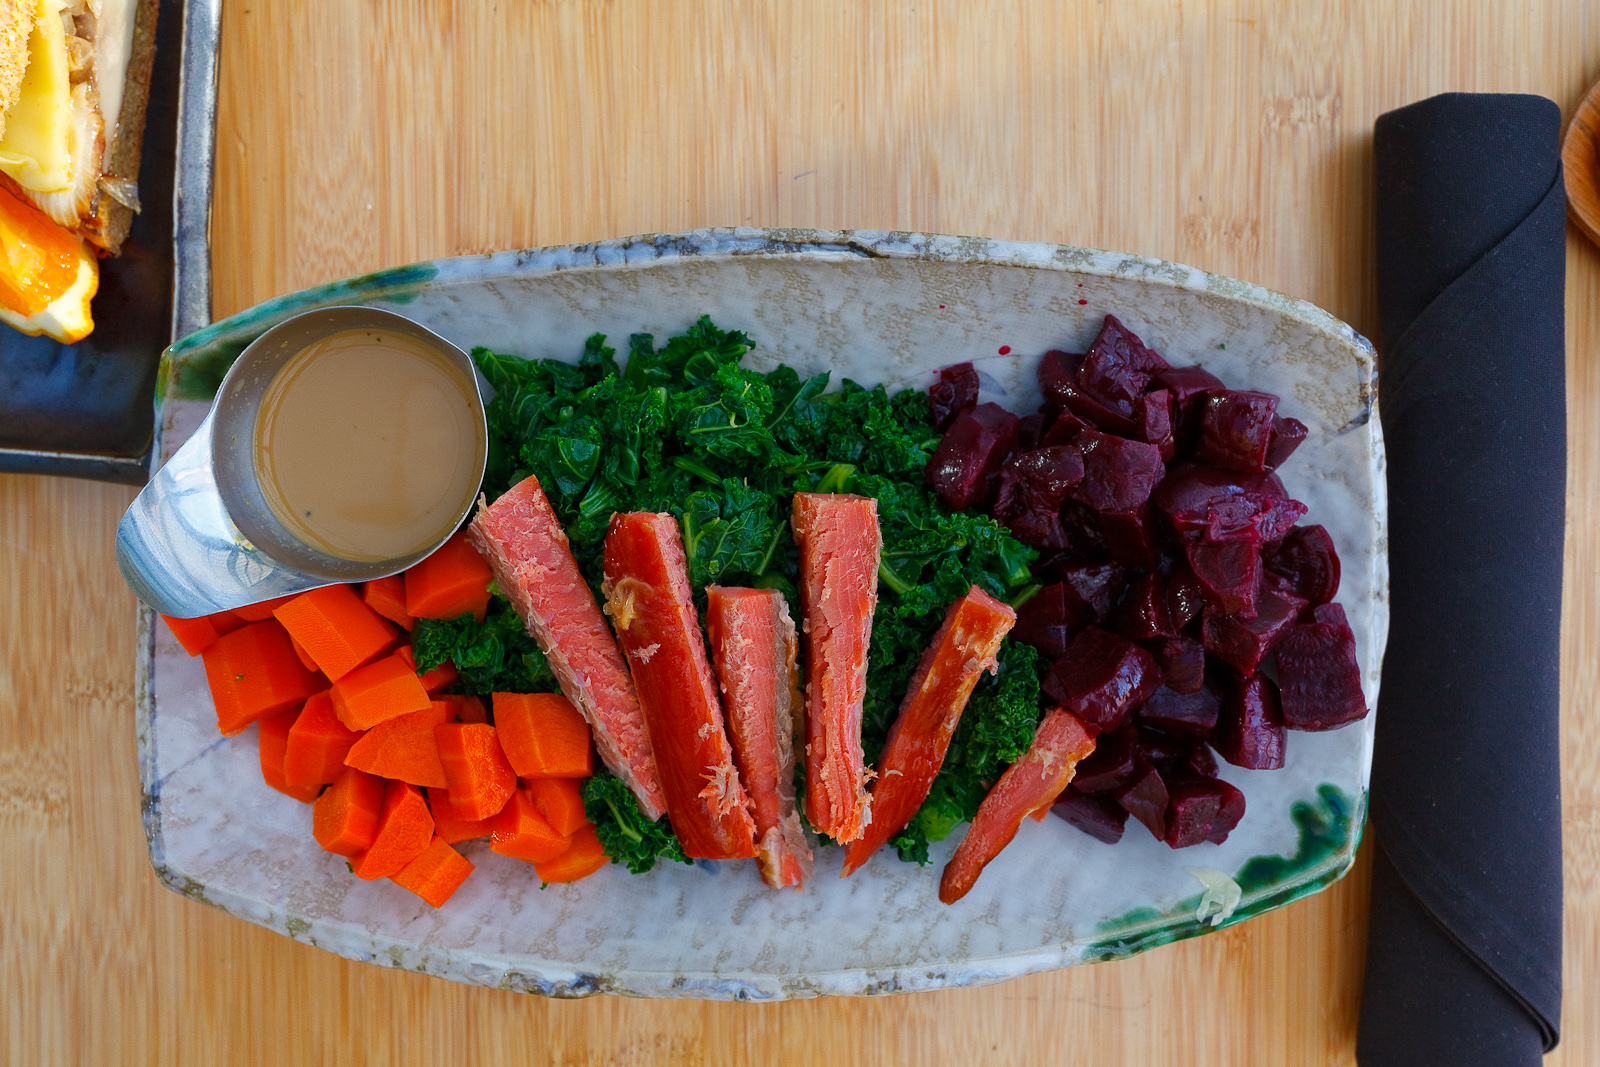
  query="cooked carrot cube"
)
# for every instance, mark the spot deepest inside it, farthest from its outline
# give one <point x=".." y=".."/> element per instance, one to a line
<point x="560" y="801"/>
<point x="253" y="673"/>
<point x="582" y="859"/>
<point x="436" y="874"/>
<point x="451" y="827"/>
<point x="272" y="738"/>
<point x="387" y="596"/>
<point x="262" y="610"/>
<point x="336" y="629"/>
<point x="434" y="680"/>
<point x="543" y="735"/>
<point x="453" y="581"/>
<point x="344" y="819"/>
<point x="404" y="748"/>
<point x="317" y="745"/>
<point x="378" y="692"/>
<point x="405" y="827"/>
<point x="475" y="769"/>
<point x="196" y="635"/>
<point x="522" y="833"/>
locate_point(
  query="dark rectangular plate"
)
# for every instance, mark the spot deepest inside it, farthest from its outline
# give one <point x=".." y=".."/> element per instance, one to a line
<point x="86" y="410"/>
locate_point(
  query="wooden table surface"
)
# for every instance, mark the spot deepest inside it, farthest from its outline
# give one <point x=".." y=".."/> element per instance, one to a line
<point x="1235" y="136"/>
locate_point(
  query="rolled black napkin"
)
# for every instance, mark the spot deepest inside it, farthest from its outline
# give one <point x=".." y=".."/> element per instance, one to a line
<point x="1464" y="947"/>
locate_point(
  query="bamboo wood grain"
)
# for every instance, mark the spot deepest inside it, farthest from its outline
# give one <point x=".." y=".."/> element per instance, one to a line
<point x="1229" y="134"/>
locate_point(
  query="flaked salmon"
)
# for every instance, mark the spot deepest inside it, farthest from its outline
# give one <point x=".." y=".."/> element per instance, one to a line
<point x="960" y="652"/>
<point x="652" y="607"/>
<point x="753" y="647"/>
<point x="840" y="545"/>
<point x="524" y="544"/>
<point x="1031" y="783"/>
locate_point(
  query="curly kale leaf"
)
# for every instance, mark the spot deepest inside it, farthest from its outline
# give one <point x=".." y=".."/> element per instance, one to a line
<point x="625" y="834"/>
<point x="496" y="655"/>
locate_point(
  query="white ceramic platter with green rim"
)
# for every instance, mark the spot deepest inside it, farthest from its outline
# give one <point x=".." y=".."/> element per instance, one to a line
<point x="875" y="307"/>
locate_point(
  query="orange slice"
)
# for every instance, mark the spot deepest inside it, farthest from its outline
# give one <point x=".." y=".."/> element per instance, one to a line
<point x="47" y="275"/>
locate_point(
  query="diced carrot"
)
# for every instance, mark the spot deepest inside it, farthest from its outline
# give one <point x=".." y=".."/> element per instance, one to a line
<point x="253" y="673"/>
<point x="652" y="606"/>
<point x="404" y="748"/>
<point x="378" y="692"/>
<point x="450" y="826"/>
<point x="387" y="596"/>
<point x="303" y="656"/>
<point x="318" y="743"/>
<point x="543" y="735"/>
<point x="433" y="680"/>
<point x="405" y="827"/>
<point x="579" y="861"/>
<point x="453" y="581"/>
<point x="436" y="874"/>
<point x="196" y="635"/>
<point x="468" y="709"/>
<point x="560" y="801"/>
<point x="840" y="545"/>
<point x="344" y="819"/>
<point x="959" y="653"/>
<point x="475" y="769"/>
<point x="522" y="833"/>
<point x="262" y="610"/>
<point x="272" y="738"/>
<point x="336" y="629"/>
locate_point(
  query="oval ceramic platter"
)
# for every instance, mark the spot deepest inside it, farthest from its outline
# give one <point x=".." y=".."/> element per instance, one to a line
<point x="875" y="307"/>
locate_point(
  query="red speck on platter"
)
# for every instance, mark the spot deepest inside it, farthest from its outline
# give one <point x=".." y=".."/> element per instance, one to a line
<point x="1083" y="301"/>
<point x="1005" y="350"/>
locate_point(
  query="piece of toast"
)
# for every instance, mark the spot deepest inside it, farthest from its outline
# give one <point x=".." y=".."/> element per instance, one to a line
<point x="116" y="193"/>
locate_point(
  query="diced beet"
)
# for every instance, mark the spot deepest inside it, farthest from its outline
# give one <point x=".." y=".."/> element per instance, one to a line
<point x="1161" y="749"/>
<point x="955" y="391"/>
<point x="1306" y="559"/>
<point x="1118" y="474"/>
<point x="1200" y="761"/>
<point x="1228" y="816"/>
<point x="1146" y="800"/>
<point x="1142" y="615"/>
<point x="1133" y="537"/>
<point x="1051" y="618"/>
<point x="1229" y="573"/>
<point x="1332" y="614"/>
<point x="970" y="454"/>
<point x="1235" y="429"/>
<point x="1242" y="642"/>
<point x="1096" y="814"/>
<point x="1186" y="598"/>
<point x="1188" y="386"/>
<point x="1192" y="811"/>
<point x="1286" y="437"/>
<point x="1064" y="430"/>
<point x="1113" y="763"/>
<point x="1104" y="676"/>
<point x="1117" y="368"/>
<point x="1250" y="730"/>
<point x="1030" y="428"/>
<point x="1217" y="504"/>
<point x="1183" y="663"/>
<point x="1082" y="533"/>
<point x="1319" y="677"/>
<point x="1032" y="487"/>
<point x="1058" y="372"/>
<point x="1153" y="413"/>
<point x="1193" y="715"/>
<point x="1100" y="585"/>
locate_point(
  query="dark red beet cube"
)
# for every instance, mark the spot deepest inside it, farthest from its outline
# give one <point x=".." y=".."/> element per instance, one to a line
<point x="1032" y="487"/>
<point x="1332" y="614"/>
<point x="1308" y="563"/>
<point x="1030" y="429"/>
<point x="1183" y="663"/>
<point x="1153" y="413"/>
<point x="1064" y="430"/>
<point x="1235" y="429"/>
<point x="1104" y="676"/>
<point x="1217" y="504"/>
<point x="1200" y="761"/>
<point x="1188" y="386"/>
<point x="1192" y="810"/>
<point x="1161" y="749"/>
<point x="1250" y="731"/>
<point x="1058" y="381"/>
<point x="1244" y="643"/>
<point x="955" y="391"/>
<point x="1229" y="573"/>
<point x="1145" y="799"/>
<point x="1142" y="615"/>
<point x="1318" y="676"/>
<point x="1096" y="814"/>
<point x="1228" y="815"/>
<point x="1100" y="585"/>
<point x="1186" y="598"/>
<point x="1133" y="537"/>
<point x="1051" y="618"/>
<point x="1113" y="763"/>
<point x="1286" y="437"/>
<point x="1118" y="474"/>
<point x="1117" y="368"/>
<point x="1191" y="715"/>
<point x="970" y="454"/>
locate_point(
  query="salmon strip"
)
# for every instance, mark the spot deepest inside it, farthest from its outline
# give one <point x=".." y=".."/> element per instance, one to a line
<point x="960" y="652"/>
<point x="1031" y="783"/>
<point x="524" y="544"/>
<point x="650" y="603"/>
<point x="753" y="646"/>
<point x="840" y="545"/>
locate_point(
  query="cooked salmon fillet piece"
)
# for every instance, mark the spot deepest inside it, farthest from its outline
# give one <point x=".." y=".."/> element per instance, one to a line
<point x="840" y="545"/>
<point x="652" y="607"/>
<point x="524" y="544"/>
<point x="960" y="652"/>
<point x="1031" y="783"/>
<point x="753" y="647"/>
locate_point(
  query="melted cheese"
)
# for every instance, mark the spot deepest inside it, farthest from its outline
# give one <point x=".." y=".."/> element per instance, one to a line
<point x="34" y="150"/>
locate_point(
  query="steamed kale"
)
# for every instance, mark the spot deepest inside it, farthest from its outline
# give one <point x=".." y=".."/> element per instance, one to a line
<point x="625" y="834"/>
<point x="494" y="655"/>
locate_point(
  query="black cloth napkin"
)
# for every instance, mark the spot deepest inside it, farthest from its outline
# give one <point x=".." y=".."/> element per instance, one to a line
<point x="1464" y="947"/>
